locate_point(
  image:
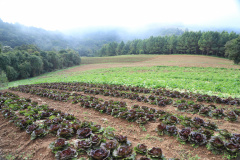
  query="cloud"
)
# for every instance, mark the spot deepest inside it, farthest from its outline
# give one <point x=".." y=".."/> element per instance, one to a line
<point x="65" y="14"/>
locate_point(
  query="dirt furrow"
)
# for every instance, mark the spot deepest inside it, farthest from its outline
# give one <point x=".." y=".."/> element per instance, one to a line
<point x="170" y="146"/>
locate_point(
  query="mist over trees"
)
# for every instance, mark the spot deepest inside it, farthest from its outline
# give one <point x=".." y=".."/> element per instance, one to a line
<point x="86" y="44"/>
<point x="221" y="44"/>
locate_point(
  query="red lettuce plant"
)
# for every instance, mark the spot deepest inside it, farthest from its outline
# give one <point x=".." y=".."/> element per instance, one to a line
<point x="66" y="154"/>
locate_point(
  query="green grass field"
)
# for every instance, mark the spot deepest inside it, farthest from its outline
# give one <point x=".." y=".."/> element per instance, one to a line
<point x="221" y="81"/>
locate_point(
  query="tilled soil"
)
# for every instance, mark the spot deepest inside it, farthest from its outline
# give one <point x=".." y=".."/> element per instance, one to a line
<point x="164" y="60"/>
<point x="17" y="143"/>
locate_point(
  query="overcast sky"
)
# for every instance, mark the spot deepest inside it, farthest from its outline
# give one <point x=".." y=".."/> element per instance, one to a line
<point x="67" y="14"/>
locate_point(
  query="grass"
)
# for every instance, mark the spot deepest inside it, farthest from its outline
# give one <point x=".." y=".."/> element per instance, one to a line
<point x="220" y="81"/>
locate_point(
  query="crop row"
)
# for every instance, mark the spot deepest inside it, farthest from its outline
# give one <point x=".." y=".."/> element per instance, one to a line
<point x="197" y="131"/>
<point x="159" y="92"/>
<point x="223" y="143"/>
<point x="182" y="105"/>
<point x="91" y="139"/>
<point x="139" y="114"/>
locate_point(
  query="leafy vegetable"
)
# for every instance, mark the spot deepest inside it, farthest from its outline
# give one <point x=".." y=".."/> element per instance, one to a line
<point x="197" y="122"/>
<point x="59" y="144"/>
<point x="225" y="133"/>
<point x="232" y="148"/>
<point x="197" y="138"/>
<point x="171" y="130"/>
<point x="141" y="148"/>
<point x="216" y="145"/>
<point x="84" y="133"/>
<point x="99" y="154"/>
<point x="111" y="145"/>
<point x="184" y="134"/>
<point x="54" y="128"/>
<point x="65" y="132"/>
<point x="95" y="140"/>
<point x="123" y="152"/>
<point x="83" y="145"/>
<point x="231" y="116"/>
<point x="161" y="128"/>
<point x="31" y="128"/>
<point x="66" y="154"/>
<point x="155" y="152"/>
<point x="40" y="132"/>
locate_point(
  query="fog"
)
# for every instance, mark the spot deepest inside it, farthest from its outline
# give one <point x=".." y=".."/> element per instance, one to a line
<point x="128" y="15"/>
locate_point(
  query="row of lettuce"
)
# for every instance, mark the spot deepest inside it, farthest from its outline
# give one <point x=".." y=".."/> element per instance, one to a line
<point x="73" y="136"/>
<point x="155" y="98"/>
<point x="196" y="130"/>
<point x="139" y="114"/>
<point x="110" y="88"/>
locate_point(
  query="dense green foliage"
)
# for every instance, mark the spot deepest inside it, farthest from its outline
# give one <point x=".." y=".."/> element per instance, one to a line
<point x="208" y="80"/>
<point x="233" y="50"/>
<point x="28" y="61"/>
<point x="205" y="43"/>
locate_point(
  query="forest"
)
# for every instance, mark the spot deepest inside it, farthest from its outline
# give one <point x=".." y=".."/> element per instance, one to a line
<point x="86" y="44"/>
<point x="28" y="61"/>
<point x="220" y="44"/>
<point x="28" y="51"/>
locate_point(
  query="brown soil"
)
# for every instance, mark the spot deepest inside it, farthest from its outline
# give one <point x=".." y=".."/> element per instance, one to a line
<point x="18" y="143"/>
<point x="165" y="60"/>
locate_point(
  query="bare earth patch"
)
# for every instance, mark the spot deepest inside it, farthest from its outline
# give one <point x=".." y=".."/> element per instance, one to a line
<point x="164" y="60"/>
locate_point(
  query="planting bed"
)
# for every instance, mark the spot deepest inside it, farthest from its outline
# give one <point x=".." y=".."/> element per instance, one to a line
<point x="182" y="125"/>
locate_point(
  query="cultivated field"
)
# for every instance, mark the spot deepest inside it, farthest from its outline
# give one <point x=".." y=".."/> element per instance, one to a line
<point x="179" y="104"/>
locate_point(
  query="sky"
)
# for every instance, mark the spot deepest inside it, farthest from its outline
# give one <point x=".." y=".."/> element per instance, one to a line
<point x="68" y="14"/>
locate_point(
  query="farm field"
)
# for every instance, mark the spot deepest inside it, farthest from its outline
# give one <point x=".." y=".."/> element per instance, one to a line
<point x="127" y="96"/>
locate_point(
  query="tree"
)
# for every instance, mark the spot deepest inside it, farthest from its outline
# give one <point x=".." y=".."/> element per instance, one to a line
<point x="140" y="49"/>
<point x="4" y="61"/>
<point x="233" y="50"/>
<point x="120" y="48"/>
<point x="224" y="37"/>
<point x="24" y="70"/>
<point x="37" y="65"/>
<point x="6" y="49"/>
<point x="133" y="47"/>
<point x="3" y="79"/>
<point x="172" y="44"/>
<point x="209" y="42"/>
<point x="111" y="49"/>
<point x="181" y="44"/>
<point x="11" y="73"/>
<point x="55" y="60"/>
<point x="126" y="48"/>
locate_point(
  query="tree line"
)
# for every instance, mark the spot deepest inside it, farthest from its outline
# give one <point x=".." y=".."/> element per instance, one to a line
<point x="28" y="61"/>
<point x="190" y="42"/>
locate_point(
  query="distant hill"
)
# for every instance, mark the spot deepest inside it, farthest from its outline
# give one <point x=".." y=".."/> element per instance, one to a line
<point x="87" y="41"/>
